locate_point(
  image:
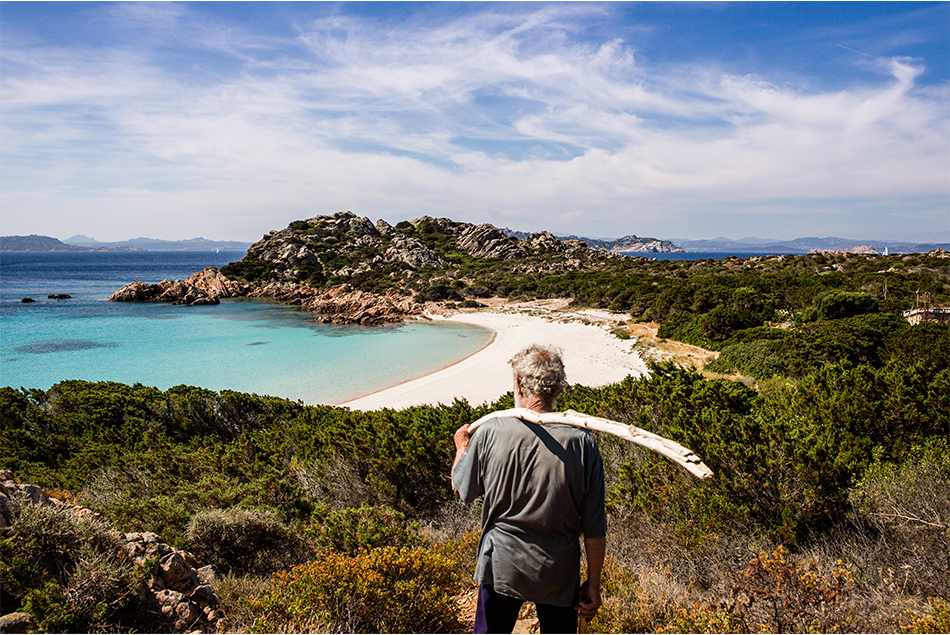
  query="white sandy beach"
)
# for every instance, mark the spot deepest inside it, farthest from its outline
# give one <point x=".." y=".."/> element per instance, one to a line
<point x="592" y="357"/>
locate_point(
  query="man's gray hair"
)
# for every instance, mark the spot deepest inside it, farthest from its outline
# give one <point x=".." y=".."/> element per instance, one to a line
<point x="540" y="372"/>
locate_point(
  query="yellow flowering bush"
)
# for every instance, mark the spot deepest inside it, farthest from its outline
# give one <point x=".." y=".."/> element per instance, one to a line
<point x="381" y="590"/>
<point x="778" y="594"/>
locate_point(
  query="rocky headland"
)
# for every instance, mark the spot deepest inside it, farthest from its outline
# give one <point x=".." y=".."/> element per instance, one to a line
<point x="205" y="287"/>
<point x="632" y="244"/>
<point x="347" y="269"/>
<point x="627" y="244"/>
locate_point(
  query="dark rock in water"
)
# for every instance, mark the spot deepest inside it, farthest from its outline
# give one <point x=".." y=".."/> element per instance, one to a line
<point x="59" y="346"/>
<point x="59" y="296"/>
<point x="27" y="300"/>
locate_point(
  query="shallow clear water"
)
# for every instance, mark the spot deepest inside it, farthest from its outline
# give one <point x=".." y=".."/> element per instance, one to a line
<point x="245" y="345"/>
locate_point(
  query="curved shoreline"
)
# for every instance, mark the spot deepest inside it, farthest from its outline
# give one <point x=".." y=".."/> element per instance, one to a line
<point x="592" y="357"/>
<point x="369" y="395"/>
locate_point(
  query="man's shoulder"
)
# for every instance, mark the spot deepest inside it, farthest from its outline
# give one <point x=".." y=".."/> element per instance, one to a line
<point x="503" y="424"/>
<point x="509" y="424"/>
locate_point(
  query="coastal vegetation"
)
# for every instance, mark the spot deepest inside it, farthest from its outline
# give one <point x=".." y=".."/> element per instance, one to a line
<point x="828" y="510"/>
<point x="829" y="503"/>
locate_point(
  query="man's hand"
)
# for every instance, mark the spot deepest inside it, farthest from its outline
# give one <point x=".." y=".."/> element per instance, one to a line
<point x="461" y="439"/>
<point x="596" y="549"/>
<point x="590" y="600"/>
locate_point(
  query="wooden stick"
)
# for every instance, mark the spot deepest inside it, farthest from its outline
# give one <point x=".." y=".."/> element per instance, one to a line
<point x="670" y="449"/>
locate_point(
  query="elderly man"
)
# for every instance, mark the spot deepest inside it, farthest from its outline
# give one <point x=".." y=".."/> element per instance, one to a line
<point x="543" y="488"/>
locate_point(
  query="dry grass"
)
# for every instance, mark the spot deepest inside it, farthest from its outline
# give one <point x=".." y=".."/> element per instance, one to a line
<point x="856" y="579"/>
<point x="234" y="593"/>
<point x="657" y="349"/>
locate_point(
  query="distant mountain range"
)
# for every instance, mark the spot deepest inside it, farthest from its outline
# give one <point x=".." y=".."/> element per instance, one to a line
<point x="627" y="244"/>
<point x="36" y="243"/>
<point x="84" y="243"/>
<point x="152" y="244"/>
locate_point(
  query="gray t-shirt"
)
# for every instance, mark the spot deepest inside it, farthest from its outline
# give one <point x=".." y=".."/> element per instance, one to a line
<point x="544" y="488"/>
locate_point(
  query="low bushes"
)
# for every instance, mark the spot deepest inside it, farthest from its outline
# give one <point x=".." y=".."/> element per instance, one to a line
<point x="241" y="541"/>
<point x="382" y="590"/>
<point x="846" y="464"/>
<point x="875" y="339"/>
<point x="65" y="571"/>
<point x="350" y="531"/>
<point x="780" y="594"/>
<point x="913" y="493"/>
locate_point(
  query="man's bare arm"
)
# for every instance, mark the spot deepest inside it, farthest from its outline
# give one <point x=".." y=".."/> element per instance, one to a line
<point x="461" y="439"/>
<point x="596" y="549"/>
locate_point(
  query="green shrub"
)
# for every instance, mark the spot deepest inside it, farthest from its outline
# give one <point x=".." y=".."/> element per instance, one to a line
<point x="65" y="570"/>
<point x="384" y="590"/>
<point x="722" y="322"/>
<point x="912" y="493"/>
<point x="927" y="344"/>
<point x="756" y="358"/>
<point x="834" y="305"/>
<point x="356" y="529"/>
<point x="242" y="541"/>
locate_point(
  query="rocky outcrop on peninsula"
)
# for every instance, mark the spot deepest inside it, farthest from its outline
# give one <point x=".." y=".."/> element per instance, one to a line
<point x="630" y="244"/>
<point x="342" y="304"/>
<point x="633" y="244"/>
<point x="205" y="287"/>
<point x="348" y="269"/>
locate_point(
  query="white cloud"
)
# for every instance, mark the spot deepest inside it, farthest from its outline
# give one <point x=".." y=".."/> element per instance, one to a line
<point x="353" y="116"/>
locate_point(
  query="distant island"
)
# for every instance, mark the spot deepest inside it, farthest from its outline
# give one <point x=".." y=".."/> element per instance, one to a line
<point x="34" y="242"/>
<point x="37" y="243"/>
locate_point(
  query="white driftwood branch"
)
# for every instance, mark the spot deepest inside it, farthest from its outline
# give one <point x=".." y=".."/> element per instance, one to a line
<point x="670" y="449"/>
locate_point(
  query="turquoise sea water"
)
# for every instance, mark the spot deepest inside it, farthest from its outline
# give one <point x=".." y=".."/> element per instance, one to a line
<point x="245" y="345"/>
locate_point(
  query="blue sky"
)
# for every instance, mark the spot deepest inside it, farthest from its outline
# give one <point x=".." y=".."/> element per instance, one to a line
<point x="669" y="120"/>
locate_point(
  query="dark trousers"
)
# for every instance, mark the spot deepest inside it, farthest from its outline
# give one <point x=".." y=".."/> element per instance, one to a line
<point x="497" y="613"/>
